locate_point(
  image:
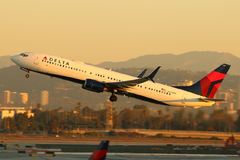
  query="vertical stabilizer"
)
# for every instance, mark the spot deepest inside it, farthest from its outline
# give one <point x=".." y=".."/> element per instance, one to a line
<point x="209" y="84"/>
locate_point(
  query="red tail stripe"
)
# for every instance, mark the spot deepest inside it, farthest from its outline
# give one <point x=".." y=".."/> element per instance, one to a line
<point x="214" y="90"/>
<point x="214" y="76"/>
<point x="206" y="82"/>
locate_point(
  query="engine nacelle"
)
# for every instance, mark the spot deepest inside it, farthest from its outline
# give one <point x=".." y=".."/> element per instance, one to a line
<point x="93" y="85"/>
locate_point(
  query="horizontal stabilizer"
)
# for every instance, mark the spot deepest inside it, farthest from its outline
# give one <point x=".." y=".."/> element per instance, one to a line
<point x="211" y="99"/>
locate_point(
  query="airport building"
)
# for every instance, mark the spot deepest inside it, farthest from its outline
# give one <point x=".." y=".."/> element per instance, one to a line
<point x="10" y="112"/>
<point x="44" y="98"/>
<point x="230" y="103"/>
<point x="13" y="98"/>
<point x="24" y="97"/>
<point x="6" y="97"/>
<point x="186" y="83"/>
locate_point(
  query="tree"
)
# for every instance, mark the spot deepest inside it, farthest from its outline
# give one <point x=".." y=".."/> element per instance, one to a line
<point x="221" y="121"/>
<point x="237" y="123"/>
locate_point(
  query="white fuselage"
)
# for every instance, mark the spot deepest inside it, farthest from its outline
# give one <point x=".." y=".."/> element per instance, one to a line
<point x="157" y="92"/>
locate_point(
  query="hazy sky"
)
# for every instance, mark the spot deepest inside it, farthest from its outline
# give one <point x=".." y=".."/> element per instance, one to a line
<point x="112" y="30"/>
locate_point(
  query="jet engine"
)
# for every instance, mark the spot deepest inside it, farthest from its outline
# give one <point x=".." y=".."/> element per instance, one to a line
<point x="93" y="85"/>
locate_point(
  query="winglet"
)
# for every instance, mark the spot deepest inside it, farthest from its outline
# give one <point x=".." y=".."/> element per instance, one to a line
<point x="101" y="152"/>
<point x="142" y="73"/>
<point x="152" y="75"/>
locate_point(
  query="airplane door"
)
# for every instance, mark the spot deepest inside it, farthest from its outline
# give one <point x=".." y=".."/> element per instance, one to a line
<point x="183" y="99"/>
<point x="36" y="60"/>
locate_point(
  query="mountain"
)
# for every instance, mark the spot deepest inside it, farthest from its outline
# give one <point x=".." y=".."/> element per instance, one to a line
<point x="5" y="62"/>
<point x="194" y="61"/>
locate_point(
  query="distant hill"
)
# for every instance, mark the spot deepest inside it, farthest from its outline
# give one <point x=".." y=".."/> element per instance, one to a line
<point x="194" y="61"/>
<point x="5" y="61"/>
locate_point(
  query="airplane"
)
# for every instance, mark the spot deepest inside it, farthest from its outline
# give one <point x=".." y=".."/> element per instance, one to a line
<point x="34" y="151"/>
<point x="101" y="152"/>
<point x="96" y="79"/>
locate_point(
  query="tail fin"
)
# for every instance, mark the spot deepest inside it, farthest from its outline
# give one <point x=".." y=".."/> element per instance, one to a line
<point x="209" y="84"/>
<point x="101" y="152"/>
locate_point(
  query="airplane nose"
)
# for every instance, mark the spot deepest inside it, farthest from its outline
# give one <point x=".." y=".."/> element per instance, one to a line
<point x="15" y="59"/>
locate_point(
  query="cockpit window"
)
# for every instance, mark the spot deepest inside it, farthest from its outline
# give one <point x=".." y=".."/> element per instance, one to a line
<point x="24" y="54"/>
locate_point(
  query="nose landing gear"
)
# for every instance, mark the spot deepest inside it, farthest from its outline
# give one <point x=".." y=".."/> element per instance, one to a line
<point x="26" y="70"/>
<point x="113" y="98"/>
<point x="27" y="75"/>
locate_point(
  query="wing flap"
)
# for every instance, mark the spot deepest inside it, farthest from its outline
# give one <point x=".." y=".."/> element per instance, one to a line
<point x="211" y="99"/>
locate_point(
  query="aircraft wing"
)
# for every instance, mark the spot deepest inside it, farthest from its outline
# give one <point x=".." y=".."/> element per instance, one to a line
<point x="131" y="83"/>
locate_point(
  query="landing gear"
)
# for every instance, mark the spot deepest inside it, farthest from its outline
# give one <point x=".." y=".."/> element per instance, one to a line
<point x="26" y="70"/>
<point x="113" y="98"/>
<point x="27" y="75"/>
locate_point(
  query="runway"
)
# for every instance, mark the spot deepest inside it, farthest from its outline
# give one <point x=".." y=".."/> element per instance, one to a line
<point x="13" y="155"/>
